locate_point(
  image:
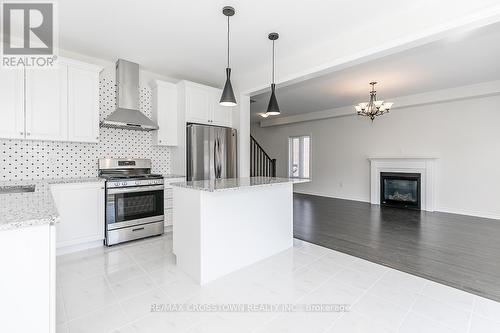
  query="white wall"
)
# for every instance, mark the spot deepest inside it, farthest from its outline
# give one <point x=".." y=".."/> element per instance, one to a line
<point x="464" y="135"/>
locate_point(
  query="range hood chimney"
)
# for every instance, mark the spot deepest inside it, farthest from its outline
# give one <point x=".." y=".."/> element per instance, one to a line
<point x="127" y="114"/>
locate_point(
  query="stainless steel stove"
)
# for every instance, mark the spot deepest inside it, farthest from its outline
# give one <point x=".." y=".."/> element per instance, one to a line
<point x="134" y="200"/>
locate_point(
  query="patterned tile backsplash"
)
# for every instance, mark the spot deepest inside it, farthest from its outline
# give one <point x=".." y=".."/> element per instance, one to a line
<point x="21" y="159"/>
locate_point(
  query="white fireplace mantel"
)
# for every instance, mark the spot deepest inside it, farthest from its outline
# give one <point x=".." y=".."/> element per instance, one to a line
<point x="422" y="165"/>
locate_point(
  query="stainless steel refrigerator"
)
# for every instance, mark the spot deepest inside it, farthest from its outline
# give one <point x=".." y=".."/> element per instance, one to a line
<point x="211" y="152"/>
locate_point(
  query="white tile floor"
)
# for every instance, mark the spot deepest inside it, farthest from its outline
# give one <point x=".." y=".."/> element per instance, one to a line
<point x="113" y="289"/>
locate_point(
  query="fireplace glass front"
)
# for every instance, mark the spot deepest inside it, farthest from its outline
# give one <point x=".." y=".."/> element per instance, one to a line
<point x="399" y="189"/>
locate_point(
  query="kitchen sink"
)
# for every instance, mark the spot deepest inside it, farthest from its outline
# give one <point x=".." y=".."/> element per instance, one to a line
<point x="17" y="189"/>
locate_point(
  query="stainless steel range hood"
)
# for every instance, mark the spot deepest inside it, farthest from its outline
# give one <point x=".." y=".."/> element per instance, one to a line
<point x="127" y="114"/>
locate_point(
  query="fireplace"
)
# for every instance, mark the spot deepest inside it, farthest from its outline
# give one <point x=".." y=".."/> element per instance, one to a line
<point x="400" y="189"/>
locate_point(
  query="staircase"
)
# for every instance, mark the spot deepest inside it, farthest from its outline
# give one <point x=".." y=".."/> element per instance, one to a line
<point x="260" y="163"/>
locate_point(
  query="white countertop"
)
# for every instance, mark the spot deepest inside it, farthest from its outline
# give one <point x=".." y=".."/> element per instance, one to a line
<point x="18" y="210"/>
<point x="235" y="183"/>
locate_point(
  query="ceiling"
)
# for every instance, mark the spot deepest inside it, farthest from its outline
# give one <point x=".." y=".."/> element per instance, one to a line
<point x="463" y="59"/>
<point x="186" y="39"/>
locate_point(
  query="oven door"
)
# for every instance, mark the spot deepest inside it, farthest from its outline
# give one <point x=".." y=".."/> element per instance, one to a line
<point x="129" y="206"/>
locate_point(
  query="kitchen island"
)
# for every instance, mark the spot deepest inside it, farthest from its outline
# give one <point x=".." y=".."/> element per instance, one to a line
<point x="223" y="225"/>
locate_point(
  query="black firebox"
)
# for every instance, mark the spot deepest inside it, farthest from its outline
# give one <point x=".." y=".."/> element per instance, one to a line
<point x="399" y="189"/>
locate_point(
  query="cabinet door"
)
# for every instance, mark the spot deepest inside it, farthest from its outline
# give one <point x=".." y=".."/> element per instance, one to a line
<point x="198" y="105"/>
<point x="83" y="104"/>
<point x="46" y="103"/>
<point x="165" y="114"/>
<point x="221" y="115"/>
<point x="81" y="208"/>
<point x="12" y="99"/>
<point x="27" y="283"/>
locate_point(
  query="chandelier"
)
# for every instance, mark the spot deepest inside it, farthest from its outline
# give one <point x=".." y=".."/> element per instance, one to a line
<point x="374" y="107"/>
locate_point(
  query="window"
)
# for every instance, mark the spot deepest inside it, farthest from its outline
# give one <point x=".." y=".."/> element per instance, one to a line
<point x="299" y="154"/>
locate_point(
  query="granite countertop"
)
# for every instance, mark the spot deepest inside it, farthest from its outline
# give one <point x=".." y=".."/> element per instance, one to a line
<point x="75" y="180"/>
<point x="18" y="210"/>
<point x="235" y="183"/>
<point x="173" y="176"/>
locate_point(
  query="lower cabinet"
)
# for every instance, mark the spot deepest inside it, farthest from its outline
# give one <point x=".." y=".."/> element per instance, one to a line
<point x="81" y="208"/>
<point x="28" y="280"/>
<point x="169" y="199"/>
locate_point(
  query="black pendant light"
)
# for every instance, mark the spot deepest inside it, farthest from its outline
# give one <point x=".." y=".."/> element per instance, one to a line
<point x="272" y="108"/>
<point x="227" y="98"/>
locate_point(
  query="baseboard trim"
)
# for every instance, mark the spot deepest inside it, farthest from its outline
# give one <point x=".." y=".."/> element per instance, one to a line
<point x="487" y="215"/>
<point x="78" y="247"/>
<point x="320" y="194"/>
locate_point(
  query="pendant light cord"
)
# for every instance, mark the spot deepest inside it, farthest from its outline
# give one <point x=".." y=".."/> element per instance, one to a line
<point x="228" y="42"/>
<point x="273" y="61"/>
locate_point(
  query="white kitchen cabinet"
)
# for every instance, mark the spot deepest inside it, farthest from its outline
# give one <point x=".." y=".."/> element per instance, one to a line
<point x="81" y="208"/>
<point x="165" y="113"/>
<point x="202" y="105"/>
<point x="12" y="99"/>
<point x="169" y="199"/>
<point x="198" y="104"/>
<point x="83" y="102"/>
<point x="221" y="115"/>
<point x="46" y="103"/>
<point x="56" y="104"/>
<point x="27" y="282"/>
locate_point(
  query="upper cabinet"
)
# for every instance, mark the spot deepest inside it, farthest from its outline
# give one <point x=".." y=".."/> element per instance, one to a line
<point x="57" y="104"/>
<point x="198" y="104"/>
<point x="83" y="103"/>
<point x="12" y="99"/>
<point x="164" y="113"/>
<point x="46" y="103"/>
<point x="202" y="105"/>
<point x="221" y="115"/>
<point x="174" y="105"/>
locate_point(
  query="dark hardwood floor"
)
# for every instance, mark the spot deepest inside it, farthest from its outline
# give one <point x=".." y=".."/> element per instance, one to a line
<point x="456" y="250"/>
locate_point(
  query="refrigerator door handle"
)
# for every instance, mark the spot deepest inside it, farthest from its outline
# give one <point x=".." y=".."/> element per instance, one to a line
<point x="217" y="158"/>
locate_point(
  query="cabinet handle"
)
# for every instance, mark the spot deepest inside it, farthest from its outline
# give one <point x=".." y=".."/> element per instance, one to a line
<point x="28" y="133"/>
<point x="22" y="133"/>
